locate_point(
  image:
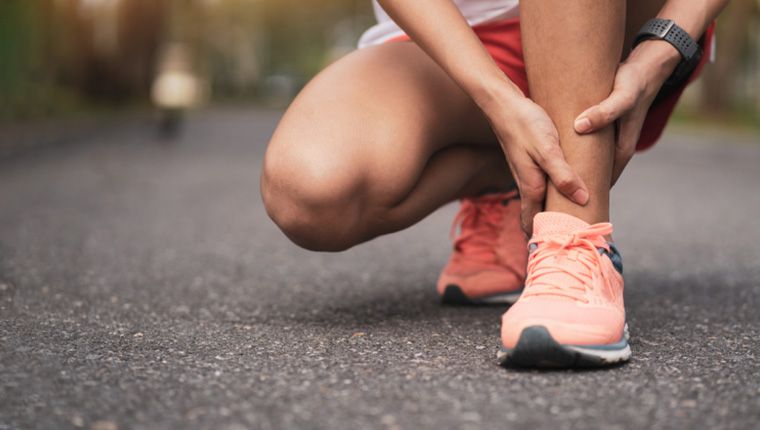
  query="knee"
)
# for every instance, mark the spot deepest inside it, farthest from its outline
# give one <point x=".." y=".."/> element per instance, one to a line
<point x="315" y="202"/>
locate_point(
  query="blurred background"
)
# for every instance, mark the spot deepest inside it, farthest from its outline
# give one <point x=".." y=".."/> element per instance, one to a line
<point x="64" y="58"/>
<point x="143" y="286"/>
<point x="60" y="57"/>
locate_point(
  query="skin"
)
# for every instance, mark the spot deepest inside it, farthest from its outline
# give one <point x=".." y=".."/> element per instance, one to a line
<point x="373" y="144"/>
<point x="643" y="72"/>
<point x="563" y="48"/>
<point x="388" y="134"/>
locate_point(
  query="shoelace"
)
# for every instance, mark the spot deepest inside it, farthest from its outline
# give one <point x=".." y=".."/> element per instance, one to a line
<point x="478" y="222"/>
<point x="541" y="267"/>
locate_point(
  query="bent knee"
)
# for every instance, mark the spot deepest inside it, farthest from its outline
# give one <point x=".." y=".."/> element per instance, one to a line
<point x="316" y="204"/>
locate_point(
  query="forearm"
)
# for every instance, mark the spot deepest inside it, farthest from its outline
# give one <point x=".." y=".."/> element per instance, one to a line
<point x="442" y="32"/>
<point x="694" y="16"/>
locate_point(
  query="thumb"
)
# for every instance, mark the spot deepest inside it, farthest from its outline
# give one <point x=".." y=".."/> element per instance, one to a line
<point x="605" y="113"/>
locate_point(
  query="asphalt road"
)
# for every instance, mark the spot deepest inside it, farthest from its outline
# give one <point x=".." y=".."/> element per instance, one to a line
<point x="142" y="287"/>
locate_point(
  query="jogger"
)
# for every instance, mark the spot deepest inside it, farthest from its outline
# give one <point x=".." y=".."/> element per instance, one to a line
<point x="389" y="133"/>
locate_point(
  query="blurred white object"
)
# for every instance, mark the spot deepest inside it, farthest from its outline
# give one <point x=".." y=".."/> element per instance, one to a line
<point x="175" y="85"/>
<point x="176" y="89"/>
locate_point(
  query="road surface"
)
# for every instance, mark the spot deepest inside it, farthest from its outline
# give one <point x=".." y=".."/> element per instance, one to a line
<point x="142" y="286"/>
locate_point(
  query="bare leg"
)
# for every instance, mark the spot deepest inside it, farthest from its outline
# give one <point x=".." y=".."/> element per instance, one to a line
<point x="372" y="145"/>
<point x="572" y="50"/>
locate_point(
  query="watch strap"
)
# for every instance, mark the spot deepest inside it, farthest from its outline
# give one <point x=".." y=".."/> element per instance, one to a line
<point x="669" y="31"/>
<point x="691" y="51"/>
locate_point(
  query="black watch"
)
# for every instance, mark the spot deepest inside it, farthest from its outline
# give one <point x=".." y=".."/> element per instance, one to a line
<point x="690" y="50"/>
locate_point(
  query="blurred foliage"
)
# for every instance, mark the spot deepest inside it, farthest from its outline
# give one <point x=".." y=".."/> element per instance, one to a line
<point x="63" y="55"/>
<point x="24" y="85"/>
<point x="245" y="41"/>
<point x="729" y="89"/>
<point x="60" y="56"/>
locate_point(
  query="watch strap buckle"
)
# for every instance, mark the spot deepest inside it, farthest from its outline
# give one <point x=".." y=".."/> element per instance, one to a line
<point x="662" y="31"/>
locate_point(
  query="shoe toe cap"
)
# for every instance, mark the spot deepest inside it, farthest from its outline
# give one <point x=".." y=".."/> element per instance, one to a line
<point x="482" y="283"/>
<point x="568" y="323"/>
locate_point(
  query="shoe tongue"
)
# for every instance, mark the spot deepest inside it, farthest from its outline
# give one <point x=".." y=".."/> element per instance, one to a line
<point x="551" y="223"/>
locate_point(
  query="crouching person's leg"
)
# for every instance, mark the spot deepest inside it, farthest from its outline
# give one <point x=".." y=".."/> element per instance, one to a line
<point x="372" y="145"/>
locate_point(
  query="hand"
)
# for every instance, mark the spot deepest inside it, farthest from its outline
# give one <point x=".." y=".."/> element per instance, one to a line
<point x="531" y="144"/>
<point x="637" y="82"/>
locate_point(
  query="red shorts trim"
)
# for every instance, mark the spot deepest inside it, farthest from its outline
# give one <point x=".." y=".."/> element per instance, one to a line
<point x="502" y="40"/>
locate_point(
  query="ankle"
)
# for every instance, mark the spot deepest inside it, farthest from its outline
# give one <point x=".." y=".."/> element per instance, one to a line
<point x="596" y="210"/>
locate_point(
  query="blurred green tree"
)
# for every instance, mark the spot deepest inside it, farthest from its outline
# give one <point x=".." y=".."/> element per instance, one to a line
<point x="724" y="83"/>
<point x="56" y="53"/>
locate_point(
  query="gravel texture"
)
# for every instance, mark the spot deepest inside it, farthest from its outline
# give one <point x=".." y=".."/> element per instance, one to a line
<point x="142" y="286"/>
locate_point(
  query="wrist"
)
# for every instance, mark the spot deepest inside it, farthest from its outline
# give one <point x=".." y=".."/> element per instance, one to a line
<point x="491" y="97"/>
<point x="656" y="59"/>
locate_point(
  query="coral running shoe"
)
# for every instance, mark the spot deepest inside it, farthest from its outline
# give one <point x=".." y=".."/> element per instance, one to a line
<point x="571" y="312"/>
<point x="490" y="252"/>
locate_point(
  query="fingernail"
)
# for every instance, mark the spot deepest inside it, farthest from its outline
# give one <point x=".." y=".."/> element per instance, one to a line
<point x="580" y="196"/>
<point x="582" y="125"/>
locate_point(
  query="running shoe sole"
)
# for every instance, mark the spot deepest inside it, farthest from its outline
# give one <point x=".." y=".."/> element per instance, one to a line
<point x="537" y="348"/>
<point x="453" y="295"/>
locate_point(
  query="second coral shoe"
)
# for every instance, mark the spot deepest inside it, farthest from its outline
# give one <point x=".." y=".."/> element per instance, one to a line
<point x="490" y="253"/>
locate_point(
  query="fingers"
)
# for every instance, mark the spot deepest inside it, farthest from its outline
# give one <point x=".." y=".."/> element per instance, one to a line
<point x="531" y="181"/>
<point x="528" y="210"/>
<point x="606" y="112"/>
<point x="531" y="170"/>
<point x="564" y="178"/>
